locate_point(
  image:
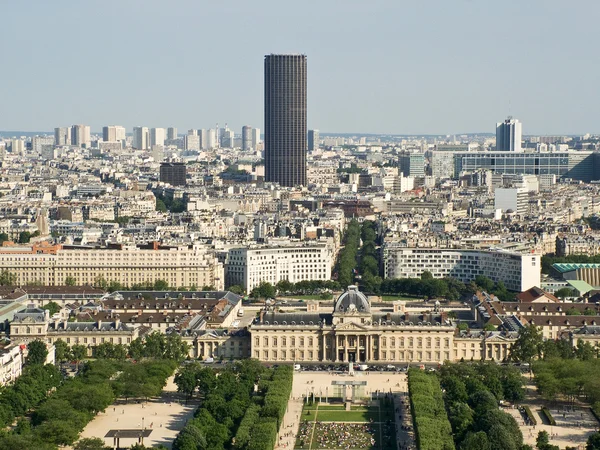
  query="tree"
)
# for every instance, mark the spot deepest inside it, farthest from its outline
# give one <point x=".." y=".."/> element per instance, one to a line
<point x="161" y="285"/>
<point x="593" y="442"/>
<point x="237" y="289"/>
<point x="475" y="441"/>
<point x="529" y="345"/>
<point x="564" y="293"/>
<point x="62" y="352"/>
<point x="79" y="352"/>
<point x="186" y="380"/>
<point x="37" y="352"/>
<point x="484" y="283"/>
<point x="542" y="440"/>
<point x="52" y="308"/>
<point x="263" y="290"/>
<point x="426" y="275"/>
<point x="70" y="281"/>
<point x="3" y="238"/>
<point x="160" y="206"/>
<point x="24" y="237"/>
<point x="7" y="278"/>
<point x="136" y="349"/>
<point x="90" y="444"/>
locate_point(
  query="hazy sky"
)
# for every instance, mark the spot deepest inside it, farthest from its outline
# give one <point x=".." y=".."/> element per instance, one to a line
<point x="374" y="66"/>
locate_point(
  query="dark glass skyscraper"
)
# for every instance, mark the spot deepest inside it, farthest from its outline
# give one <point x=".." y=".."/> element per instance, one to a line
<point x="285" y="119"/>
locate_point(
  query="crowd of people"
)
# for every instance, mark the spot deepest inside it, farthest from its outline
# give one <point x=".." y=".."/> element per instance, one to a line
<point x="345" y="435"/>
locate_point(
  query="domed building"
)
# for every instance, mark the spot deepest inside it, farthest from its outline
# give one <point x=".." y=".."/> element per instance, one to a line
<point x="354" y="331"/>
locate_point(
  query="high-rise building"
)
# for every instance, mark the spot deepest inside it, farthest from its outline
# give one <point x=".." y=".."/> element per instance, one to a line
<point x="80" y="136"/>
<point x="62" y="136"/>
<point x="246" y="138"/>
<point x="157" y="137"/>
<point x="171" y="133"/>
<point x="17" y="147"/>
<point x="255" y="137"/>
<point x="412" y="164"/>
<point x="141" y="138"/>
<point x="508" y="135"/>
<point x="202" y="138"/>
<point x="39" y="142"/>
<point x="228" y="139"/>
<point x="313" y="140"/>
<point x="211" y="138"/>
<point x="285" y="119"/>
<point x="191" y="142"/>
<point x="113" y="133"/>
<point x="173" y="173"/>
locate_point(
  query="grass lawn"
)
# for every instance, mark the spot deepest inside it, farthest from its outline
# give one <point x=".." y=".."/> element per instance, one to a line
<point x="390" y="298"/>
<point x="347" y="416"/>
<point x="306" y="297"/>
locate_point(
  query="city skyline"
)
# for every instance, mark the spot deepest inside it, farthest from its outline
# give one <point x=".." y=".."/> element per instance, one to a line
<point x="401" y="69"/>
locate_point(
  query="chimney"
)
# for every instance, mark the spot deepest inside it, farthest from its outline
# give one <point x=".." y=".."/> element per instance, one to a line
<point x="262" y="315"/>
<point x="99" y="323"/>
<point x="117" y="322"/>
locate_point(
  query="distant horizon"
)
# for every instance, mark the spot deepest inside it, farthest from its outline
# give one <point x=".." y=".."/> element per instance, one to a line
<point x="5" y="133"/>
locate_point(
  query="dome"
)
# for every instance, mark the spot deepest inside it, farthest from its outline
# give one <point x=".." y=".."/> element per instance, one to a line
<point x="352" y="300"/>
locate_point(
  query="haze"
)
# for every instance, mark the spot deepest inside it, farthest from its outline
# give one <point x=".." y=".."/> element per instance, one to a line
<point x="399" y="67"/>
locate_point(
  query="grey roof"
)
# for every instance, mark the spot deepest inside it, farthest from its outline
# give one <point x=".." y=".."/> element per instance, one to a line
<point x="295" y="318"/>
<point x="37" y="314"/>
<point x="352" y="300"/>
<point x="88" y="326"/>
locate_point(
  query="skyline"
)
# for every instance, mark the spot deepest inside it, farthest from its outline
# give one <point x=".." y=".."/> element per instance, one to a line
<point x="382" y="68"/>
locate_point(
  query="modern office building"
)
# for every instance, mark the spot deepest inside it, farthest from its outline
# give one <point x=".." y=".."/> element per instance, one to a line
<point x="508" y="135"/>
<point x="518" y="272"/>
<point x="412" y="164"/>
<point x="171" y="133"/>
<point x="173" y="173"/>
<point x="246" y="138"/>
<point x="191" y="142"/>
<point x="157" y="137"/>
<point x="578" y="165"/>
<point x="113" y="133"/>
<point x="62" y="136"/>
<point x="248" y="267"/>
<point x="141" y="138"/>
<point x="313" y="140"/>
<point x="80" y="136"/>
<point x="285" y="119"/>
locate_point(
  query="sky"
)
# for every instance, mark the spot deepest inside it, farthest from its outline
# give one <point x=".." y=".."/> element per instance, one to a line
<point x="374" y="66"/>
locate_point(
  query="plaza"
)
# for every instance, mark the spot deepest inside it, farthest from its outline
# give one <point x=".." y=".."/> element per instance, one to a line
<point x="164" y="416"/>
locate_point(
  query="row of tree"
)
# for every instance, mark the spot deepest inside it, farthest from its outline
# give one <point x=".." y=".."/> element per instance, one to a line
<point x="347" y="255"/>
<point x="231" y="408"/>
<point x="472" y="392"/>
<point x="433" y="431"/>
<point x="548" y="260"/>
<point x="369" y="259"/>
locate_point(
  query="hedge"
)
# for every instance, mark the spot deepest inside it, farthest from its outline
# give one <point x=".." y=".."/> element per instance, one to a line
<point x="242" y="437"/>
<point x="548" y="415"/>
<point x="529" y="415"/>
<point x="432" y="428"/>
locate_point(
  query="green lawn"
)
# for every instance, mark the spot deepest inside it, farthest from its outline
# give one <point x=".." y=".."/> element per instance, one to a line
<point x="305" y="297"/>
<point x="348" y="416"/>
<point x="391" y="298"/>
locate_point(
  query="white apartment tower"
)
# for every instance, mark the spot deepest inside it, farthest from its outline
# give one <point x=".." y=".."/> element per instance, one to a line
<point x="113" y="133"/>
<point x="171" y="133"/>
<point x="62" y="136"/>
<point x="81" y="136"/>
<point x="508" y="135"/>
<point x="157" y="137"/>
<point x="141" y="138"/>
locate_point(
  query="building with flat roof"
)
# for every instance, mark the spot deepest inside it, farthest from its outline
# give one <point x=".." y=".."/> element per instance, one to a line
<point x="285" y="119"/>
<point x="518" y="272"/>
<point x="173" y="173"/>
